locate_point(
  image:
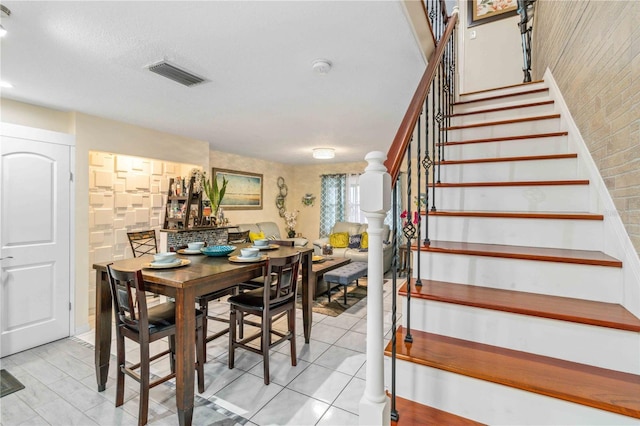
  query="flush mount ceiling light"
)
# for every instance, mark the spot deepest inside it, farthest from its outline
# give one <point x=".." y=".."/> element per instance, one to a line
<point x="323" y="153"/>
<point x="5" y="13"/>
<point x="321" y="66"/>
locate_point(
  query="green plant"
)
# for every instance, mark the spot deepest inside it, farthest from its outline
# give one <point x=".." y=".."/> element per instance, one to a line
<point x="214" y="193"/>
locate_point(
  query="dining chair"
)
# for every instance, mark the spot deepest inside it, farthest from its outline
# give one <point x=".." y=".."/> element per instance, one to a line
<point x="143" y="242"/>
<point x="146" y="325"/>
<point x="277" y="296"/>
<point x="203" y="304"/>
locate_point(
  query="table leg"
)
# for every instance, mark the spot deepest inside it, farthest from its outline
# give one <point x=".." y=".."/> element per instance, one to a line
<point x="185" y="354"/>
<point x="103" y="329"/>
<point x="307" y="295"/>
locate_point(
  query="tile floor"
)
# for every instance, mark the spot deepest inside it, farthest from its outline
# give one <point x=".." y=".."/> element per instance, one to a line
<point x="323" y="389"/>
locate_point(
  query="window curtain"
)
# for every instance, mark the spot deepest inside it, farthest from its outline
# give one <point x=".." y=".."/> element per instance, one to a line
<point x="332" y="201"/>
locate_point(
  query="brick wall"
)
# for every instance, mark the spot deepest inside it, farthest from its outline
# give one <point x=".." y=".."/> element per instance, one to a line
<point x="593" y="51"/>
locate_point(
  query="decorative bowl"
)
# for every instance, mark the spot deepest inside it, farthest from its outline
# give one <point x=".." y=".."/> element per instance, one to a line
<point x="166" y="257"/>
<point x="261" y="243"/>
<point x="217" y="250"/>
<point x="195" y="246"/>
<point x="249" y="252"/>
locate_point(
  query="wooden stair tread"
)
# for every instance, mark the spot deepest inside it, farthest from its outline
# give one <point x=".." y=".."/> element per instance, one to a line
<point x="507" y="95"/>
<point x="493" y="89"/>
<point x="506" y="159"/>
<point x="589" y="312"/>
<point x="506" y="108"/>
<point x="506" y="138"/>
<point x="584" y="257"/>
<point x="414" y="413"/>
<point x="596" y="387"/>
<point x="501" y="122"/>
<point x="517" y="215"/>
<point x="516" y="183"/>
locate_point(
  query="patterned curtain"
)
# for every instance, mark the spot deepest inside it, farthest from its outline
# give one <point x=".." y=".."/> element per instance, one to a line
<point x="332" y="201"/>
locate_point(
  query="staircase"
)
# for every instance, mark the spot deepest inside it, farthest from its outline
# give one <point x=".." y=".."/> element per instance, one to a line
<point x="519" y="317"/>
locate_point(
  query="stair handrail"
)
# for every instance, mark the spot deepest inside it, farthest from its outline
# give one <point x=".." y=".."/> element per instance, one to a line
<point x="400" y="143"/>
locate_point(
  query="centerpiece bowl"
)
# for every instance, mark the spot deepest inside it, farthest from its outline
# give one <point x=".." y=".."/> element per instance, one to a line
<point x="217" y="250"/>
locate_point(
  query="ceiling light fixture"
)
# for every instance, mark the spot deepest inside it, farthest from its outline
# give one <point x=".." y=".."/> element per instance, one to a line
<point x="321" y="66"/>
<point x="324" y="153"/>
<point x="4" y="12"/>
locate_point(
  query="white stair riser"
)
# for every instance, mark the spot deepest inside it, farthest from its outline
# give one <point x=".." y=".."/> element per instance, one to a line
<point x="501" y="92"/>
<point x="543" y="198"/>
<point x="510" y="148"/>
<point x="589" y="282"/>
<point x="510" y="171"/>
<point x="551" y="233"/>
<point x="502" y="130"/>
<point x="585" y="344"/>
<point x="501" y="102"/>
<point x="491" y="403"/>
<point x="507" y="114"/>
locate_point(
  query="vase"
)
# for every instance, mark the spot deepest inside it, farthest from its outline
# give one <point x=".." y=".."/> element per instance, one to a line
<point x="291" y="233"/>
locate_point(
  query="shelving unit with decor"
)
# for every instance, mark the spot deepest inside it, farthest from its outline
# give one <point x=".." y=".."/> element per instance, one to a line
<point x="184" y="207"/>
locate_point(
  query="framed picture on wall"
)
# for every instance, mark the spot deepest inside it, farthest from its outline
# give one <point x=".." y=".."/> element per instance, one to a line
<point x="484" y="11"/>
<point x="244" y="190"/>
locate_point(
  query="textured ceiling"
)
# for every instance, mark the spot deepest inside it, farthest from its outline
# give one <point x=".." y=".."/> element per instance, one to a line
<point x="262" y="98"/>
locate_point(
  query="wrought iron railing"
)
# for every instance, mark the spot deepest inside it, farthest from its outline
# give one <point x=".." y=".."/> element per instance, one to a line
<point x="420" y="143"/>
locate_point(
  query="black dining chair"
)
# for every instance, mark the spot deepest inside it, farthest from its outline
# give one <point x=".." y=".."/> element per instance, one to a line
<point x="143" y="242"/>
<point x="146" y="325"/>
<point x="277" y="296"/>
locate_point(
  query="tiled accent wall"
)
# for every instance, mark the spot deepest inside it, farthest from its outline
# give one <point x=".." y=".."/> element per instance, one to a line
<point x="213" y="237"/>
<point x="125" y="194"/>
<point x="592" y="50"/>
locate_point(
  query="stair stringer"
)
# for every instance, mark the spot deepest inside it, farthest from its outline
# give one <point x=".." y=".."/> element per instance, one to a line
<point x="616" y="239"/>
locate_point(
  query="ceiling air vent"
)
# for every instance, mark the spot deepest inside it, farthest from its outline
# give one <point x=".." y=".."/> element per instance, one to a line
<point x="176" y="74"/>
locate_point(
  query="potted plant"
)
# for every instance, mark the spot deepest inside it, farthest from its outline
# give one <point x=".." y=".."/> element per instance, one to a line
<point x="214" y="193"/>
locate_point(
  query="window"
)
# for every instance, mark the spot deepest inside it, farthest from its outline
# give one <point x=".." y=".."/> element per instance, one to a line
<point x="340" y="201"/>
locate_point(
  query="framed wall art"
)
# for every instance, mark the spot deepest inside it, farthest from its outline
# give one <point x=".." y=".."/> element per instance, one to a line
<point x="484" y="11"/>
<point x="244" y="190"/>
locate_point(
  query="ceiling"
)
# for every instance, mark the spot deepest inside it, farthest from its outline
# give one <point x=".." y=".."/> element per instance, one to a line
<point x="261" y="98"/>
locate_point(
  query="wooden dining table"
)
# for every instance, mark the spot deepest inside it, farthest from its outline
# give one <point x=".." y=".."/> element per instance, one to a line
<point x="203" y="275"/>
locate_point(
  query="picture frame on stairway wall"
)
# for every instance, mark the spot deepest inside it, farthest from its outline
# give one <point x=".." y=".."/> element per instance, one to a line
<point x="485" y="11"/>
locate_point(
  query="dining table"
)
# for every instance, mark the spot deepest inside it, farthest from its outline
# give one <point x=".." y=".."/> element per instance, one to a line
<point x="202" y="275"/>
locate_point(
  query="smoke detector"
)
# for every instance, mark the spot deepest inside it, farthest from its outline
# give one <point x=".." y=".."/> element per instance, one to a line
<point x="321" y="66"/>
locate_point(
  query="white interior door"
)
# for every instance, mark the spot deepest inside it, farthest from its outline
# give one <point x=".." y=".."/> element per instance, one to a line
<point x="35" y="226"/>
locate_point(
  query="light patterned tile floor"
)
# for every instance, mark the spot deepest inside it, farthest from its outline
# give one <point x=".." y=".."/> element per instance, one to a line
<point x="323" y="389"/>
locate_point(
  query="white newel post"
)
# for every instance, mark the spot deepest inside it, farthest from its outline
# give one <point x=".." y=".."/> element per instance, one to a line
<point x="375" y="201"/>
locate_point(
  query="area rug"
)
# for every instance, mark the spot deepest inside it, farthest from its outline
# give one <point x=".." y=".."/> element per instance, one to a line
<point x="334" y="308"/>
<point x="8" y="383"/>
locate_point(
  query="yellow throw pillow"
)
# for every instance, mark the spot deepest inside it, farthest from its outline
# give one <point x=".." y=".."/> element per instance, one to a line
<point x="339" y="239"/>
<point x="364" y="241"/>
<point x="256" y="236"/>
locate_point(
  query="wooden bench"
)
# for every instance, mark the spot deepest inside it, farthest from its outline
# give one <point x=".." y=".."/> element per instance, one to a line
<point x="344" y="276"/>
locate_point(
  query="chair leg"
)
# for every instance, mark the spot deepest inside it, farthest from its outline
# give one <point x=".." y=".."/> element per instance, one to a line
<point x="291" y="316"/>
<point x="204" y="307"/>
<point x="200" y="354"/>
<point x="172" y="353"/>
<point x="120" y="372"/>
<point x="232" y="336"/>
<point x="144" y="383"/>
<point x="264" y="346"/>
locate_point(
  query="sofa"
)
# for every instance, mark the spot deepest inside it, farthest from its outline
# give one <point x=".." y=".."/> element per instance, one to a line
<point x="269" y="230"/>
<point x="356" y="253"/>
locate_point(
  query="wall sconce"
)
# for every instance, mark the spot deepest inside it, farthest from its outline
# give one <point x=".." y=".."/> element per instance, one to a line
<point x="308" y="200"/>
<point x="323" y="153"/>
